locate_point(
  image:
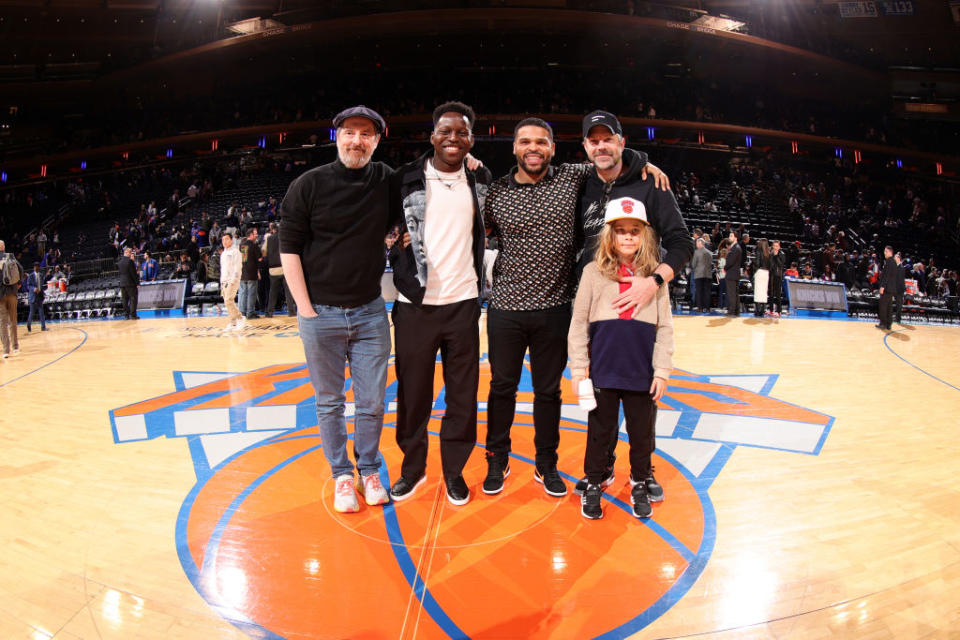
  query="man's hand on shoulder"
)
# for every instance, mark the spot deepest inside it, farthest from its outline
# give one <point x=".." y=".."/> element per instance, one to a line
<point x="660" y="179"/>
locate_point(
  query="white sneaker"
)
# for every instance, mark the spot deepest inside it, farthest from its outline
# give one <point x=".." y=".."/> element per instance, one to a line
<point x="345" y="495"/>
<point x="16" y="351"/>
<point x="373" y="492"/>
<point x="240" y="324"/>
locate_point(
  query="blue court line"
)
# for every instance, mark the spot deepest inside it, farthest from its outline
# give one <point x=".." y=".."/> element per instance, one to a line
<point x="890" y="349"/>
<point x="52" y="361"/>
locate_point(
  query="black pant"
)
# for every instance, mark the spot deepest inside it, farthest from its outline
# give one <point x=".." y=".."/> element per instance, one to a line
<point x="898" y="307"/>
<point x="420" y="332"/>
<point x="885" y="310"/>
<point x="640" y="412"/>
<point x="775" y="293"/>
<point x="733" y="296"/>
<point x="276" y="285"/>
<point x="129" y="298"/>
<point x="702" y="291"/>
<point x="510" y="333"/>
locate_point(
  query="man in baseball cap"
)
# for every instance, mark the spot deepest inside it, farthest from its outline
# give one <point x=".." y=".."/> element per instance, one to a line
<point x="603" y="119"/>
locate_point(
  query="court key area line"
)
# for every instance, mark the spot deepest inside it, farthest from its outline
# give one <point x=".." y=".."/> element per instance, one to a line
<point x="927" y="373"/>
<point x="82" y="342"/>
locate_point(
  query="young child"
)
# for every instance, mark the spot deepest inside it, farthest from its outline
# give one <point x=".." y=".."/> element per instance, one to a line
<point x="628" y="357"/>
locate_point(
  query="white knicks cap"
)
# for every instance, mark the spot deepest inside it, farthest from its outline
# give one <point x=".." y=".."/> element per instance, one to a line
<point x="625" y="209"/>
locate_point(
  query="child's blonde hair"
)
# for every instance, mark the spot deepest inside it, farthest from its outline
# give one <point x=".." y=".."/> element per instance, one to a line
<point x="643" y="262"/>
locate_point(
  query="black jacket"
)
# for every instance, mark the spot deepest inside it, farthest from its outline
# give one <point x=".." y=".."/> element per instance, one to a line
<point x="128" y="272"/>
<point x="733" y="263"/>
<point x="409" y="202"/>
<point x="661" y="207"/>
<point x="901" y="287"/>
<point x="777" y="264"/>
<point x="888" y="277"/>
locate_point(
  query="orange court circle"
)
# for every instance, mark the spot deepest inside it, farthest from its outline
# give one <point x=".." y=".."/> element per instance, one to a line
<point x="260" y="542"/>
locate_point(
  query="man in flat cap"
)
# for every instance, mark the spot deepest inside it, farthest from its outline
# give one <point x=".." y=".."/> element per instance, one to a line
<point x="335" y="218"/>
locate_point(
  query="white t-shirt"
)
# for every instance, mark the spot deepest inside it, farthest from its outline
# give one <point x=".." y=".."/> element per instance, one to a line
<point x="448" y="238"/>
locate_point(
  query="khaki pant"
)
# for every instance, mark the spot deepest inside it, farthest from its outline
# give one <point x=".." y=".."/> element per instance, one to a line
<point x="229" y="291"/>
<point x="8" y="323"/>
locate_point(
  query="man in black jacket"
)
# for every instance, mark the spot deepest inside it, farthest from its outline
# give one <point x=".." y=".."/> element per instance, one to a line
<point x="437" y="269"/>
<point x="888" y="288"/>
<point x="775" y="288"/>
<point x="129" y="281"/>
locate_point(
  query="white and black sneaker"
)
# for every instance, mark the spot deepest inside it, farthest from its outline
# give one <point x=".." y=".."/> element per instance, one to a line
<point x="641" y="502"/>
<point x="654" y="490"/>
<point x="405" y="487"/>
<point x="590" y="506"/>
<point x="457" y="491"/>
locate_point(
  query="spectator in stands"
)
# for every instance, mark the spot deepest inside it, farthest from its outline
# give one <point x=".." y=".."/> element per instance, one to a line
<point x="701" y="270"/>
<point x="150" y="268"/>
<point x="41" y="242"/>
<point x="250" y="251"/>
<point x="202" y="274"/>
<point x="11" y="274"/>
<point x="184" y="269"/>
<point x="35" y="293"/>
<point x="732" y="275"/>
<point x="129" y="282"/>
<point x="215" y="233"/>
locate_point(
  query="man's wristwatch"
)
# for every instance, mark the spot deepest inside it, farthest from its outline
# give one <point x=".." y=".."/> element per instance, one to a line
<point x="658" y="279"/>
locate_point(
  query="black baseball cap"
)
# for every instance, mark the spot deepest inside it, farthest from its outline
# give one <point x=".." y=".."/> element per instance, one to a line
<point x="604" y="118"/>
<point x="361" y="111"/>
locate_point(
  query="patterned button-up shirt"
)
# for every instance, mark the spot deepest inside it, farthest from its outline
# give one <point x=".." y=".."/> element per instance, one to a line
<point x="536" y="225"/>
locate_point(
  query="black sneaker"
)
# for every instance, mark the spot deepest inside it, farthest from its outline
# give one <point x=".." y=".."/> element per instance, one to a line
<point x="404" y="487"/>
<point x="498" y="468"/>
<point x="590" y="502"/>
<point x="582" y="482"/>
<point x="552" y="483"/>
<point x="654" y="490"/>
<point x="457" y="491"/>
<point x="641" y="502"/>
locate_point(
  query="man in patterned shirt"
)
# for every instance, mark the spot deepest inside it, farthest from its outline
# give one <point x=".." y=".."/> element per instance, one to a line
<point x="532" y="211"/>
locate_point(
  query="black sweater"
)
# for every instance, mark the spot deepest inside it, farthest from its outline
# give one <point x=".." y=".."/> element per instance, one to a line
<point x="335" y="219"/>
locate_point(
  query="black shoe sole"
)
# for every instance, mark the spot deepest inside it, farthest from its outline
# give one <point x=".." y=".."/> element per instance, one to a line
<point x="506" y="472"/>
<point x="537" y="477"/>
<point x="408" y="494"/>
<point x="637" y="515"/>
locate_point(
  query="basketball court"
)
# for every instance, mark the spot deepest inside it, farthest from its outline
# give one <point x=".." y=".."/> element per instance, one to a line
<point x="162" y="480"/>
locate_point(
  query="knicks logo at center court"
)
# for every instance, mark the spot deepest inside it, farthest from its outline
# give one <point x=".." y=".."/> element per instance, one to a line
<point x="259" y="540"/>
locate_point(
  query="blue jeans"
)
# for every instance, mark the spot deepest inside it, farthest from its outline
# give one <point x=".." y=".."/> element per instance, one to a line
<point x="359" y="337"/>
<point x="248" y="297"/>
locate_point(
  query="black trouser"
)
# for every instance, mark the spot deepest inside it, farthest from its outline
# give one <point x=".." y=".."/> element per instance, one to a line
<point x="733" y="296"/>
<point x="885" y="312"/>
<point x="420" y="332"/>
<point x="898" y="307"/>
<point x="129" y="298"/>
<point x="510" y="333"/>
<point x="640" y="412"/>
<point x="36" y="310"/>
<point x="702" y="291"/>
<point x="276" y="284"/>
<point x="775" y="293"/>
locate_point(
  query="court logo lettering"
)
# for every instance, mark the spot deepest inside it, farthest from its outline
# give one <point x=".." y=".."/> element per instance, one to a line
<point x="257" y="538"/>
